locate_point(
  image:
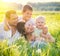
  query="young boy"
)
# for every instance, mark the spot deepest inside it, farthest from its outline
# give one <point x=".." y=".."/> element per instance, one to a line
<point x="26" y="14"/>
<point x="41" y="30"/>
<point x="39" y="24"/>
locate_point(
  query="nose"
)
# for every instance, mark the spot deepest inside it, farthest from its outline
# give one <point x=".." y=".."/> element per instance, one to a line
<point x="16" y="19"/>
<point x="29" y="15"/>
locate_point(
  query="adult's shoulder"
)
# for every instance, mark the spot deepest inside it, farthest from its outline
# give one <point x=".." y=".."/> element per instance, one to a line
<point x="1" y="25"/>
<point x="1" y="31"/>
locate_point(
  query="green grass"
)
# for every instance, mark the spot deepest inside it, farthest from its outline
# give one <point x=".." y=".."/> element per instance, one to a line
<point x="22" y="48"/>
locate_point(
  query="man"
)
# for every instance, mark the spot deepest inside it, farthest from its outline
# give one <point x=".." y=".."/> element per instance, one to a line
<point x="8" y="28"/>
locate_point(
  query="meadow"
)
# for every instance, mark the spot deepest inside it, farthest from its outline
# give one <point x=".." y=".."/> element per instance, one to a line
<point x="22" y="48"/>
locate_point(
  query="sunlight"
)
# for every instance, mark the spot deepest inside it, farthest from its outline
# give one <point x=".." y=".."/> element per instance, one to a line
<point x="9" y="0"/>
<point x="25" y="1"/>
<point x="17" y="1"/>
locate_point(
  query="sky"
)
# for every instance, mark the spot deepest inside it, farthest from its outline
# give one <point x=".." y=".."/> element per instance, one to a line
<point x="33" y="1"/>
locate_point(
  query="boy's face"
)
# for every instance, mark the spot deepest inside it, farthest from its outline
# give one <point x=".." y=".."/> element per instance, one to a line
<point x="29" y="28"/>
<point x="40" y="23"/>
<point x="27" y="15"/>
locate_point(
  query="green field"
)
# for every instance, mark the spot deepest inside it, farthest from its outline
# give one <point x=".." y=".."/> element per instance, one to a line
<point x="22" y="48"/>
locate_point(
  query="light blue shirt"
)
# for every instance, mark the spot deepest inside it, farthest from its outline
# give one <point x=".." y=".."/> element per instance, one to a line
<point x="37" y="32"/>
<point x="8" y="35"/>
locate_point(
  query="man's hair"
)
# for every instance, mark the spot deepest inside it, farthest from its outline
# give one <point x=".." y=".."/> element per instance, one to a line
<point x="8" y="13"/>
<point x="27" y="7"/>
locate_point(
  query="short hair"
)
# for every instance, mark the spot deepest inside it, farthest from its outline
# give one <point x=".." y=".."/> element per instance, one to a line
<point x="27" y="7"/>
<point x="8" y="13"/>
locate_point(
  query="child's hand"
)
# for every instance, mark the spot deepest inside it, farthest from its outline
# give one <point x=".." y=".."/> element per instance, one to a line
<point x="45" y="30"/>
<point x="43" y="35"/>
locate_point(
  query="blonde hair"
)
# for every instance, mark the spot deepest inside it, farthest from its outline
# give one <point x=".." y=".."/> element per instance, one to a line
<point x="40" y="17"/>
<point x="8" y="13"/>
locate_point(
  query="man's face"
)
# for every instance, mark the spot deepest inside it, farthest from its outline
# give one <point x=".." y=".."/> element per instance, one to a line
<point x="13" y="20"/>
<point x="27" y="15"/>
<point x="40" y="23"/>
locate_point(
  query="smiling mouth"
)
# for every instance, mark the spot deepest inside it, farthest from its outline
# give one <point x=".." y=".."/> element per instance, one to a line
<point x="40" y="25"/>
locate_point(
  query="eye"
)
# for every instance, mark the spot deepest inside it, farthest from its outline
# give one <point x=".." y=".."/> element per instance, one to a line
<point x="27" y="13"/>
<point x="27" y="27"/>
<point x="38" y="22"/>
<point x="29" y="24"/>
<point x="14" y="18"/>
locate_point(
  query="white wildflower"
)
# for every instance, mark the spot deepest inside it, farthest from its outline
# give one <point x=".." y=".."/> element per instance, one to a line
<point x="38" y="50"/>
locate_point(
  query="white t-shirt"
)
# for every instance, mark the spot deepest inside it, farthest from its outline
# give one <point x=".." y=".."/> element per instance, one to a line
<point x="8" y="34"/>
<point x="30" y="20"/>
<point x="37" y="32"/>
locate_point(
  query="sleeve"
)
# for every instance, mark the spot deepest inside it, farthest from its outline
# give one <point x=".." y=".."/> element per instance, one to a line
<point x="19" y="19"/>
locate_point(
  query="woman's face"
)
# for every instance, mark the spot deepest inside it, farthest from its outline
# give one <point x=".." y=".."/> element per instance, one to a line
<point x="29" y="28"/>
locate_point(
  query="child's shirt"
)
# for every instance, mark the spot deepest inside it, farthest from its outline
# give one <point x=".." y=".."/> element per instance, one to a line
<point x="30" y="20"/>
<point x="37" y="32"/>
<point x="38" y="44"/>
